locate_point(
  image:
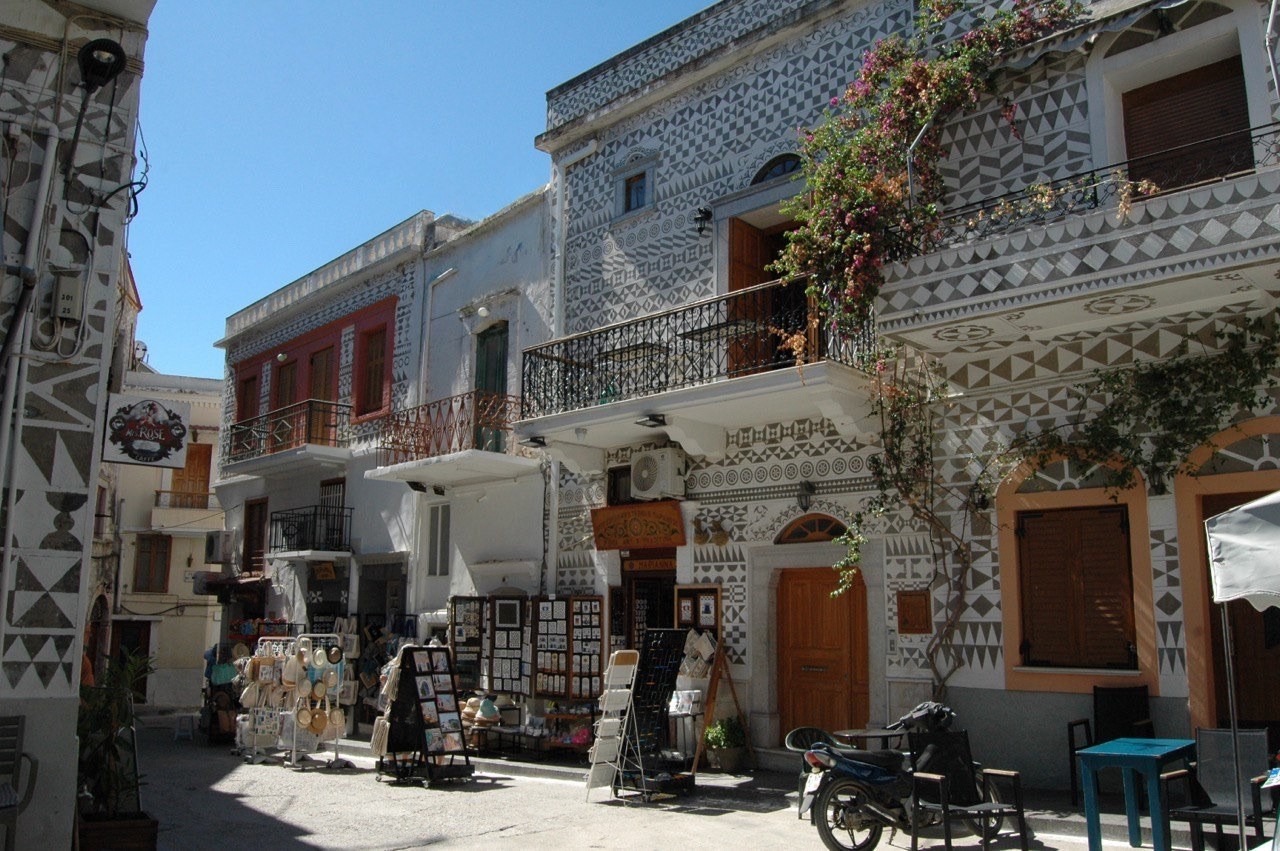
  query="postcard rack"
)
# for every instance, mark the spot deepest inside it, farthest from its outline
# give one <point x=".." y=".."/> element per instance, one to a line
<point x="424" y="739"/>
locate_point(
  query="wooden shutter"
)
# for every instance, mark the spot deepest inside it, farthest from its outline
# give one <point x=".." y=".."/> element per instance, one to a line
<point x="375" y="345"/>
<point x="1077" y="587"/>
<point x="1191" y="107"/>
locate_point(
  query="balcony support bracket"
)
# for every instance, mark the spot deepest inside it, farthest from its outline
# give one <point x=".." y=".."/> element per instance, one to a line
<point x="582" y="460"/>
<point x="698" y="439"/>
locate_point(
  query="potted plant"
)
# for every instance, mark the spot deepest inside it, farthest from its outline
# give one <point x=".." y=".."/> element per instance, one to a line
<point x="726" y="742"/>
<point x="110" y="814"/>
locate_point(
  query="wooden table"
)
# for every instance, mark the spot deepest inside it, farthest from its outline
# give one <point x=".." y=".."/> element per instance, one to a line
<point x="867" y="735"/>
<point x="1147" y="757"/>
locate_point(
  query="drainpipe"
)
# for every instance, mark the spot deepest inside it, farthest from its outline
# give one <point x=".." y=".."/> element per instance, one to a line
<point x="16" y="350"/>
<point x="1271" y="44"/>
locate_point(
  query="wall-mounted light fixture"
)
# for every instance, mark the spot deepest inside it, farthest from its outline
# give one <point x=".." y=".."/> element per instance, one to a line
<point x="482" y="312"/>
<point x="536" y="441"/>
<point x="417" y="487"/>
<point x="652" y="421"/>
<point x="804" y="497"/>
<point x="281" y="358"/>
<point x="701" y="219"/>
<point x="100" y="61"/>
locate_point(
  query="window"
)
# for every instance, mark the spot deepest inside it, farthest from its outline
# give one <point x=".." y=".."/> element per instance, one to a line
<point x="438" y="546"/>
<point x="151" y="565"/>
<point x="372" y="374"/>
<point x="633" y="197"/>
<point x="1076" y="588"/>
<point x="190" y="485"/>
<point x="618" y="486"/>
<point x="777" y="167"/>
<point x="1189" y="127"/>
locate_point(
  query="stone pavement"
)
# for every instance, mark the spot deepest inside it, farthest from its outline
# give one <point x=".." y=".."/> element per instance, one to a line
<point x="207" y="797"/>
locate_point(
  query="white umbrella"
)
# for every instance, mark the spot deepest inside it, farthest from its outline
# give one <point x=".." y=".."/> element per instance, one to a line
<point x="1244" y="564"/>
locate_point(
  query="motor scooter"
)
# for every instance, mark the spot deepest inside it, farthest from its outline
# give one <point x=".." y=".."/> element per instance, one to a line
<point x="855" y="794"/>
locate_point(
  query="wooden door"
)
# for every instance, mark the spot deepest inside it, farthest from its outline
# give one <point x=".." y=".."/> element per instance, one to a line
<point x="491" y="386"/>
<point x="321" y="387"/>
<point x="1255" y="640"/>
<point x="286" y="429"/>
<point x="191" y="484"/>
<point x="255" y="535"/>
<point x="748" y="348"/>
<point x="823" y="670"/>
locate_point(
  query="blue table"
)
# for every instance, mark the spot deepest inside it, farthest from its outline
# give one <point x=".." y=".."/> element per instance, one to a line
<point x="1147" y="757"/>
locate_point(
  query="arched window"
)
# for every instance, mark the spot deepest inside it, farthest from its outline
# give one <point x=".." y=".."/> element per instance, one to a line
<point x="811" y="528"/>
<point x="777" y="167"/>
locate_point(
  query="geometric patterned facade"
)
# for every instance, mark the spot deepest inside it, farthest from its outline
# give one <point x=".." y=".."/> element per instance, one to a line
<point x="1017" y="320"/>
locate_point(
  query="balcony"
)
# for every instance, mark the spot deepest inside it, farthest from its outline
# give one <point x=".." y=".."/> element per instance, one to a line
<point x="1060" y="258"/>
<point x="311" y="532"/>
<point x="186" y="513"/>
<point x="313" y="432"/>
<point x="720" y="363"/>
<point x="457" y="441"/>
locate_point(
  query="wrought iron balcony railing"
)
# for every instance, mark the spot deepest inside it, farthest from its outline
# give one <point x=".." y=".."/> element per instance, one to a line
<point x="1175" y="169"/>
<point x="475" y="420"/>
<point x="313" y="421"/>
<point x="187" y="499"/>
<point x="314" y="527"/>
<point x="748" y="331"/>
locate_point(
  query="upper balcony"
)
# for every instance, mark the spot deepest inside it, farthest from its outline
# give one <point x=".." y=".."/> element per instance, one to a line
<point x="750" y="357"/>
<point x="313" y="532"/>
<point x="1080" y="255"/>
<point x="186" y="512"/>
<point x="457" y="441"/>
<point x="311" y="433"/>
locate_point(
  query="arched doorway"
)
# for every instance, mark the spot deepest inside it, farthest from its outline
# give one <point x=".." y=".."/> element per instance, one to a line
<point x="1235" y="465"/>
<point x="822" y="657"/>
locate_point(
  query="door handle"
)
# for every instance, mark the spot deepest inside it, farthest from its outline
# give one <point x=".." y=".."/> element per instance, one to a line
<point x="813" y="669"/>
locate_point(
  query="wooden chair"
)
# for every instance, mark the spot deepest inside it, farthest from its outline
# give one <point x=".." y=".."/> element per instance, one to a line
<point x="1212" y="780"/>
<point x="800" y="740"/>
<point x="946" y="780"/>
<point x="1118" y="713"/>
<point x="11" y="758"/>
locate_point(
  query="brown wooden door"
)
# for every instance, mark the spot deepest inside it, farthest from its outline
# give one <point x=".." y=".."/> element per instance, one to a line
<point x="1255" y="640"/>
<point x="191" y="483"/>
<point x="748" y="255"/>
<point x="255" y="535"/>
<point x="823" y="671"/>
<point x="320" y="385"/>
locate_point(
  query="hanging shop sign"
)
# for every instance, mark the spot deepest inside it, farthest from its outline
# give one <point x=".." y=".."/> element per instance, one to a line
<point x="643" y="525"/>
<point x="146" y="431"/>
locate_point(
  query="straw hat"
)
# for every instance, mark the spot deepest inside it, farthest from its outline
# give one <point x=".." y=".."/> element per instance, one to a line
<point x="240" y="651"/>
<point x="319" y="719"/>
<point x="335" y="654"/>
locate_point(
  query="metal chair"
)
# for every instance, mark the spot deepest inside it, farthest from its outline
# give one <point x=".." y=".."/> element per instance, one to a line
<point x="1118" y="713"/>
<point x="947" y="781"/>
<point x="1213" y="779"/>
<point x="800" y="740"/>
<point x="11" y="758"/>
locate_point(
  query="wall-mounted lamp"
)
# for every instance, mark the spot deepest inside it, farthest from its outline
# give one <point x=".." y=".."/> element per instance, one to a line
<point x="482" y="497"/>
<point x="536" y="441"/>
<point x="417" y="487"/>
<point x="281" y="358"/>
<point x="482" y="312"/>
<point x="652" y="421"/>
<point x="701" y="219"/>
<point x="804" y="498"/>
<point x="100" y="61"/>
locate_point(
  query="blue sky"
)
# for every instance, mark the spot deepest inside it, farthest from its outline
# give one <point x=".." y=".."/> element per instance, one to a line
<point x="282" y="134"/>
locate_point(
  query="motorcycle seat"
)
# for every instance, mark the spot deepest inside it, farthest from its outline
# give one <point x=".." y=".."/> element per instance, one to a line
<point x="888" y="760"/>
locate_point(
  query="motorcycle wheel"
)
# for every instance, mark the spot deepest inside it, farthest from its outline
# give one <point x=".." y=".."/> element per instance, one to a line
<point x="987" y="828"/>
<point x="841" y="820"/>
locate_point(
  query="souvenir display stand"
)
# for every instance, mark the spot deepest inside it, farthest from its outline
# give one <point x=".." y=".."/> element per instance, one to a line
<point x="644" y="764"/>
<point x="615" y="701"/>
<point x="424" y="736"/>
<point x="316" y="716"/>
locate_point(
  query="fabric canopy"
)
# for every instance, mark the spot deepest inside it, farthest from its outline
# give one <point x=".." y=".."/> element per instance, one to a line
<point x="1244" y="552"/>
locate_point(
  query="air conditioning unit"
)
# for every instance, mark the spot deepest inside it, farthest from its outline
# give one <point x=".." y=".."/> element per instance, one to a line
<point x="658" y="473"/>
<point x="217" y="547"/>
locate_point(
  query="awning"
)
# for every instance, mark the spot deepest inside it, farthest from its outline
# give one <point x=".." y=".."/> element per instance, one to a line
<point x="1105" y="16"/>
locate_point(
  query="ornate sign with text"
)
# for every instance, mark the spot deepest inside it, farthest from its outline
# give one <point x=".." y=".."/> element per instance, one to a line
<point x="640" y="526"/>
<point x="147" y="431"/>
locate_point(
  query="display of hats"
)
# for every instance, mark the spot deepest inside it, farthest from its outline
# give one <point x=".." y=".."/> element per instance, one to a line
<point x="318" y="689"/>
<point x="335" y="654"/>
<point x="303" y="715"/>
<point x="319" y="719"/>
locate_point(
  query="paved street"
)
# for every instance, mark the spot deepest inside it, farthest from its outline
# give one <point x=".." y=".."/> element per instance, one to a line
<point x="206" y="797"/>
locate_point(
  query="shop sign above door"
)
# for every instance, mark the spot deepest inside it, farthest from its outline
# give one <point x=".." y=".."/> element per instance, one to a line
<point x="639" y="526"/>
